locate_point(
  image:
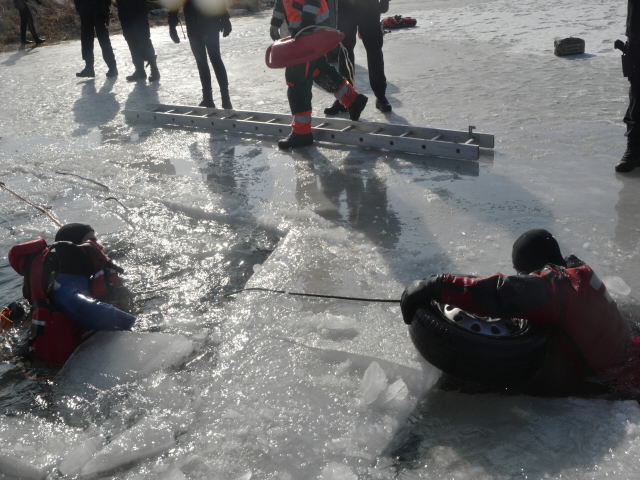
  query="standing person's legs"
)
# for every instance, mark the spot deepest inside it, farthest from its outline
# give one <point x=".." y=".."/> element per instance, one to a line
<point x="86" y="45"/>
<point x="299" y="79"/>
<point x="145" y="48"/>
<point x="212" y="43"/>
<point x="24" y="19"/>
<point x="200" y="54"/>
<point x="32" y="27"/>
<point x="348" y="20"/>
<point x="631" y="157"/>
<point x="373" y="39"/>
<point x="328" y="78"/>
<point x="105" y="45"/>
<point x="347" y="24"/>
<point x="199" y="50"/>
<point x="129" y="33"/>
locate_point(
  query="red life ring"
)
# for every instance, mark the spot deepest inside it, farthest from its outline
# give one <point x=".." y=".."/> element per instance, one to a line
<point x="303" y="48"/>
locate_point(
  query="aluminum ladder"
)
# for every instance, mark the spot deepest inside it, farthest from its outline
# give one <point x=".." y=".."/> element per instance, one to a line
<point x="462" y="145"/>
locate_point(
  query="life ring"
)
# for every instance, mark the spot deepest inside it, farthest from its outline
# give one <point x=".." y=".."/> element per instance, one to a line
<point x="480" y="350"/>
<point x="290" y="51"/>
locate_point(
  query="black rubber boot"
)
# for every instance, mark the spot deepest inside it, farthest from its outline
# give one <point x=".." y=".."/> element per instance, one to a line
<point x="630" y="159"/>
<point x="383" y="104"/>
<point x="357" y="107"/>
<point x="154" y="76"/>
<point x="207" y="99"/>
<point x="113" y="71"/>
<point x="295" y="140"/>
<point x="87" y="71"/>
<point x="225" y="98"/>
<point x="138" y="74"/>
<point x="335" y="109"/>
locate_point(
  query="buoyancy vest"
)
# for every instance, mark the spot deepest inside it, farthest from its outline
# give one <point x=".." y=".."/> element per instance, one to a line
<point x="54" y="334"/>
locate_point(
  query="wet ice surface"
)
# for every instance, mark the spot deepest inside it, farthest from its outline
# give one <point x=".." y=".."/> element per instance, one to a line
<point x="286" y="387"/>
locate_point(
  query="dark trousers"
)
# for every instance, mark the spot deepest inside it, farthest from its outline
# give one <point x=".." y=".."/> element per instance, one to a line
<point x="138" y="36"/>
<point x="26" y="20"/>
<point x="204" y="39"/>
<point x="91" y="25"/>
<point x="632" y="116"/>
<point x="363" y="16"/>
<point x="300" y="79"/>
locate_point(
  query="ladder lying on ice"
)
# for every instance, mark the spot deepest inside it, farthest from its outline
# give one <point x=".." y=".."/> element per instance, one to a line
<point x="464" y="145"/>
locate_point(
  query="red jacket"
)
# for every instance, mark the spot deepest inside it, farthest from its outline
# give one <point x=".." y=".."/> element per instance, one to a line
<point x="573" y="300"/>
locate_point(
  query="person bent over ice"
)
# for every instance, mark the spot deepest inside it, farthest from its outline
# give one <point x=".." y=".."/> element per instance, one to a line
<point x="591" y="341"/>
<point x="68" y="285"/>
<point x="300" y="14"/>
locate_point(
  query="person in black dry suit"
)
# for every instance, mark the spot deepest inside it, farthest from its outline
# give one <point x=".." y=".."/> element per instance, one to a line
<point x="362" y="16"/>
<point x="203" y="30"/>
<point x="631" y="70"/>
<point x="135" y="28"/>
<point x="26" y="20"/>
<point x="94" y="18"/>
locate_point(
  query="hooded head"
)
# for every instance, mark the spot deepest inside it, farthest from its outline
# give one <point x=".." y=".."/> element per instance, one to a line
<point x="534" y="249"/>
<point x="73" y="232"/>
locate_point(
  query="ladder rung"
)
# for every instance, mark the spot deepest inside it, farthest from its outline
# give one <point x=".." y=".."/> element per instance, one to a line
<point x="406" y="134"/>
<point x="347" y="128"/>
<point x="436" y="137"/>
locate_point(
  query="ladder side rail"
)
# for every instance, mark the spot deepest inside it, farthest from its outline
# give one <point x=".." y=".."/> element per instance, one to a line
<point x="406" y="144"/>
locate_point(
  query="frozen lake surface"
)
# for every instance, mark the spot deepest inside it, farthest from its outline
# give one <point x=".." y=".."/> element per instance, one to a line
<point x="261" y="386"/>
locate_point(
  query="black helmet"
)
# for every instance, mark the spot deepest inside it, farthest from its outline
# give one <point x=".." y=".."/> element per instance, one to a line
<point x="73" y="232"/>
<point x="535" y="249"/>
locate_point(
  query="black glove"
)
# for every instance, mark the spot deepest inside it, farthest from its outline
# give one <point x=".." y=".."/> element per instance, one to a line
<point x="274" y="32"/>
<point x="120" y="297"/>
<point x="17" y="311"/>
<point x="76" y="259"/>
<point x="384" y="6"/>
<point x="226" y="25"/>
<point x="173" y="33"/>
<point x="419" y="294"/>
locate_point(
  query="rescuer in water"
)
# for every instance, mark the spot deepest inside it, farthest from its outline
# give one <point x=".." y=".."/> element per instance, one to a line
<point x="72" y="287"/>
<point x="590" y="339"/>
